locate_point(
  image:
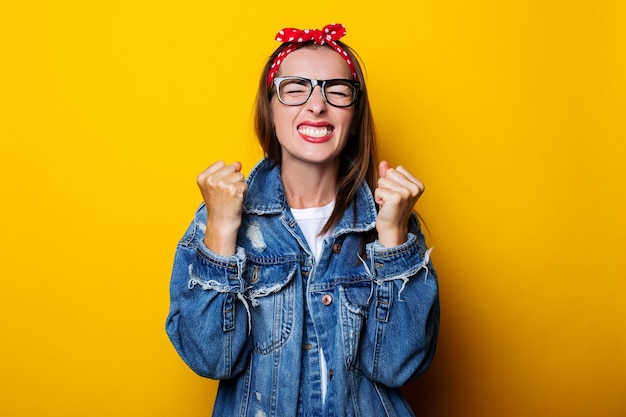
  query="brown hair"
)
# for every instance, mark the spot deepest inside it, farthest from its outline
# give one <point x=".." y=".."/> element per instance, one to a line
<point x="359" y="156"/>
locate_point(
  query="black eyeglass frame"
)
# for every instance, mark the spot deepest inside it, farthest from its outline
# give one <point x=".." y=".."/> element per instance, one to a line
<point x="322" y="83"/>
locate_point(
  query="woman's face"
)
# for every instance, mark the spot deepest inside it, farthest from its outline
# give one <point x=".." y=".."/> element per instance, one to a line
<point x="314" y="132"/>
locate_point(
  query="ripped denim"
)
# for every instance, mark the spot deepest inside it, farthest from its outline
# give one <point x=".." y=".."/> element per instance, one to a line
<point x="259" y="320"/>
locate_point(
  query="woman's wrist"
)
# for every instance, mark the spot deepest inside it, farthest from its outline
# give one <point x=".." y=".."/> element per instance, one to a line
<point x="393" y="237"/>
<point x="221" y="238"/>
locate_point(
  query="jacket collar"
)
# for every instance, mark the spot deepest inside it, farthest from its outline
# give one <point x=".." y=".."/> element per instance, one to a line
<point x="266" y="195"/>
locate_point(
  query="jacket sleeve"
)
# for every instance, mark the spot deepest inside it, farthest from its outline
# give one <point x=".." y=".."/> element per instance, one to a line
<point x="208" y="318"/>
<point x="400" y="335"/>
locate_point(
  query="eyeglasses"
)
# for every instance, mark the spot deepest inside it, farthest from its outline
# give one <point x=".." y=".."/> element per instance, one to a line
<point x="294" y="91"/>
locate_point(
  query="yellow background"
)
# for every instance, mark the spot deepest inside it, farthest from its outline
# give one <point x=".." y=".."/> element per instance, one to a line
<point x="512" y="113"/>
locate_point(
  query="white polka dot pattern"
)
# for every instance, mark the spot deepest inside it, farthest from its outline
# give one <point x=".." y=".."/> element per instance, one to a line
<point x="296" y="38"/>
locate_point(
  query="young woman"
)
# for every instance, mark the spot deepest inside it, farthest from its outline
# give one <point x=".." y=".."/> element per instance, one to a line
<point x="307" y="288"/>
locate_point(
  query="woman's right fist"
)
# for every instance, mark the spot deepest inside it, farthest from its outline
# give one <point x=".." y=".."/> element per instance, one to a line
<point x="223" y="188"/>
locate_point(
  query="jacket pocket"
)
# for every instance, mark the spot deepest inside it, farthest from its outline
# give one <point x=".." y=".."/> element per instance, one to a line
<point x="272" y="296"/>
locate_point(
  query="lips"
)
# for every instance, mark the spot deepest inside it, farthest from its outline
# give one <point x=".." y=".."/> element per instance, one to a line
<point x="316" y="132"/>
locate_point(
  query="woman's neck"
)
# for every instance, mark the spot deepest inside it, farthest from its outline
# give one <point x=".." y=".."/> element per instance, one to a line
<point x="309" y="185"/>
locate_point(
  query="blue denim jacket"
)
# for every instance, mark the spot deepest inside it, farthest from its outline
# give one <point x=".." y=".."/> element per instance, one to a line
<point x="257" y="320"/>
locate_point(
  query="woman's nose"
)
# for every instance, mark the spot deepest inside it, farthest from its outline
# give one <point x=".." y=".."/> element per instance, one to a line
<point x="316" y="102"/>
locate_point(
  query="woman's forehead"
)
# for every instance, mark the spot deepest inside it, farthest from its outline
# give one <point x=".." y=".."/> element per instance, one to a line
<point x="316" y="62"/>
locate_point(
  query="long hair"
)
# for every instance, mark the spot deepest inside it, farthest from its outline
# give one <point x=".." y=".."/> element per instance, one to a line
<point x="359" y="156"/>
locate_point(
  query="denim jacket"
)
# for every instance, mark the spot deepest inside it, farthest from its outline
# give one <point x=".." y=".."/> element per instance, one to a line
<point x="258" y="319"/>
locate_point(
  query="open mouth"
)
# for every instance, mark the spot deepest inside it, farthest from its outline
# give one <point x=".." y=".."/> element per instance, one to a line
<point x="315" y="132"/>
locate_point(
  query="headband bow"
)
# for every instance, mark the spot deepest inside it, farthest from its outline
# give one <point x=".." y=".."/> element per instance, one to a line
<point x="329" y="33"/>
<point x="295" y="38"/>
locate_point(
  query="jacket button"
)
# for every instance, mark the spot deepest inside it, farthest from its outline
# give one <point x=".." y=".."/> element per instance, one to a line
<point x="337" y="247"/>
<point x="327" y="299"/>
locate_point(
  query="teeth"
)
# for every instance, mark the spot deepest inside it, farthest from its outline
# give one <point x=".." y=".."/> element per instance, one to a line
<point x="315" y="132"/>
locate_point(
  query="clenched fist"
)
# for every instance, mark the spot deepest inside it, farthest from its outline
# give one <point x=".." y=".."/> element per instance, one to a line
<point x="397" y="192"/>
<point x="223" y="188"/>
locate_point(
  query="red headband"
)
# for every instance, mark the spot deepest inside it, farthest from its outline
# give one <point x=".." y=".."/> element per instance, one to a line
<point x="296" y="38"/>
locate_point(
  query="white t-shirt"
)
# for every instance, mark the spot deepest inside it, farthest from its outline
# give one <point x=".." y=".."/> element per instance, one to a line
<point x="311" y="221"/>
